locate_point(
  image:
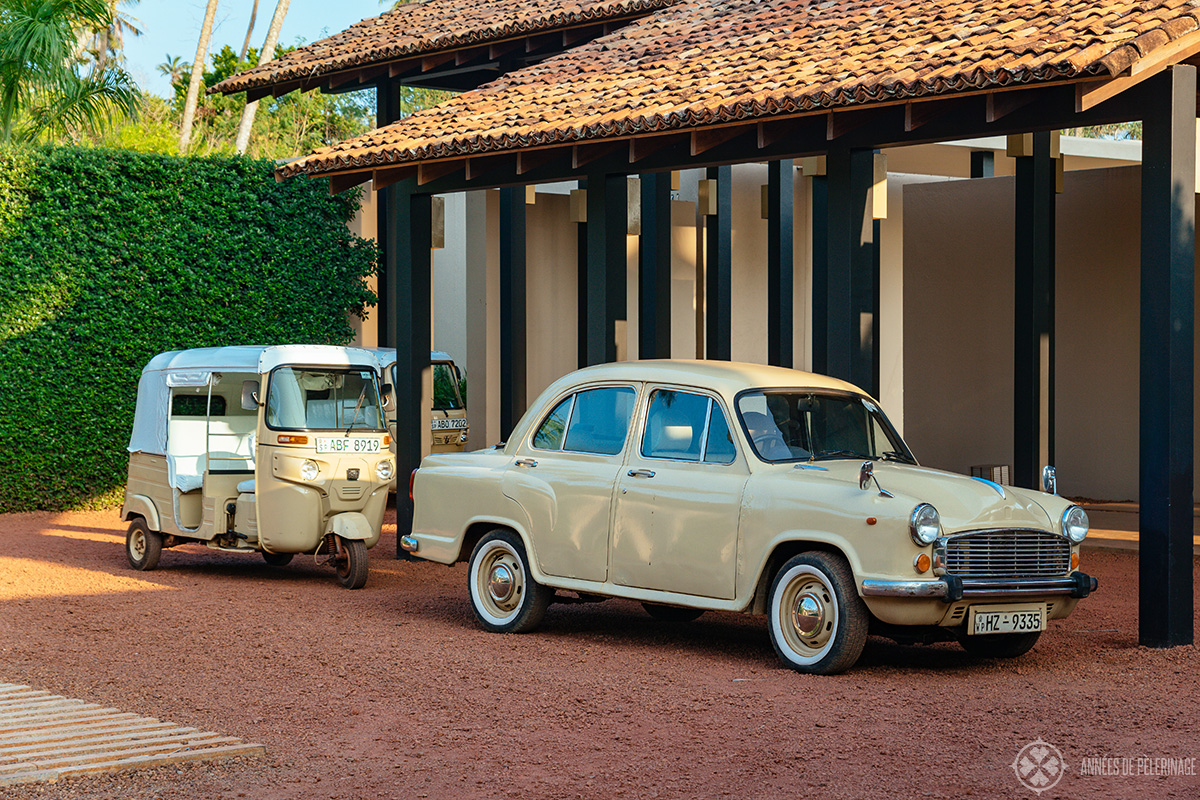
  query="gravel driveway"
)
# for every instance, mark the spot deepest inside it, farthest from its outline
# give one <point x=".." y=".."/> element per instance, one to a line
<point x="393" y="692"/>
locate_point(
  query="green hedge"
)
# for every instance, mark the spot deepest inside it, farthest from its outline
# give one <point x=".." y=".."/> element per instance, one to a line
<point x="109" y="257"/>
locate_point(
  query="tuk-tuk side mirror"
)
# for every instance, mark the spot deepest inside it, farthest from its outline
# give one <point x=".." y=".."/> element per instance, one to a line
<point x="250" y="396"/>
<point x="386" y="390"/>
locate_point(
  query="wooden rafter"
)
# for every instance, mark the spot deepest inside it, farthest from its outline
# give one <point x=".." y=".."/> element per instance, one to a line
<point x="1091" y="94"/>
<point x="529" y="160"/>
<point x="382" y="178"/>
<point x="704" y="140"/>
<point x="584" y="154"/>
<point x="642" y="147"/>
<point x="347" y="180"/>
<point x="1001" y="104"/>
<point x="430" y="171"/>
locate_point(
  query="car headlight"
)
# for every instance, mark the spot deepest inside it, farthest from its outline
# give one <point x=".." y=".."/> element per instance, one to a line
<point x="924" y="524"/>
<point x="384" y="470"/>
<point x="1075" y="524"/>
<point x="309" y="470"/>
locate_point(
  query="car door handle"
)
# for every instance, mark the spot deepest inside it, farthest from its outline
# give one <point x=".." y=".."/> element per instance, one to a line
<point x="525" y="462"/>
<point x="641" y="473"/>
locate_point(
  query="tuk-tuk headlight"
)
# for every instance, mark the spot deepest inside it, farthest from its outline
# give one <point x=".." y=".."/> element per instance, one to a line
<point x="309" y="470"/>
<point x="1075" y="524"/>
<point x="384" y="470"/>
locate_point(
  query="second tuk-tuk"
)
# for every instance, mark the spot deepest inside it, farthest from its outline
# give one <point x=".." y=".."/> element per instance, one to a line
<point x="448" y="426"/>
<point x="273" y="450"/>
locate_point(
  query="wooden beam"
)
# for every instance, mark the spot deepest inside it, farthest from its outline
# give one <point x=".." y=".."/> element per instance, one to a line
<point x="382" y="178"/>
<point x="1001" y="104"/>
<point x="706" y="139"/>
<point x="466" y="56"/>
<point x="534" y="44"/>
<point x="477" y="166"/>
<point x="340" y="183"/>
<point x="529" y="160"/>
<point x="430" y="171"/>
<point x="574" y="36"/>
<point x="258" y="93"/>
<point x="1172" y="52"/>
<point x="839" y="123"/>
<point x="398" y="68"/>
<point x="436" y="60"/>
<point x="368" y="74"/>
<point x="919" y="113"/>
<point x="642" y="147"/>
<point x="777" y="132"/>
<point x="341" y="78"/>
<point x="499" y="49"/>
<point x="584" y="154"/>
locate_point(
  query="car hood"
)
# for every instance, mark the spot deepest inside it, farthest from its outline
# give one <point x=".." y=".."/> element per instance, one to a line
<point x="963" y="503"/>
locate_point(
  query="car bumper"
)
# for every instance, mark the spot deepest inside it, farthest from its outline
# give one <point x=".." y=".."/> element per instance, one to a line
<point x="951" y="588"/>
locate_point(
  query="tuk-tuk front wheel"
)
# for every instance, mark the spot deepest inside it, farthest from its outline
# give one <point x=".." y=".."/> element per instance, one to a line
<point x="143" y="546"/>
<point x="277" y="559"/>
<point x="352" y="564"/>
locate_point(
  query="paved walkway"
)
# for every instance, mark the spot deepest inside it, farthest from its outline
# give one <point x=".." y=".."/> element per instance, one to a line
<point x="1115" y="527"/>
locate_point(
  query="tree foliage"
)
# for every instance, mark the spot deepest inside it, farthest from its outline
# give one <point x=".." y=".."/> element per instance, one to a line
<point x="110" y="257"/>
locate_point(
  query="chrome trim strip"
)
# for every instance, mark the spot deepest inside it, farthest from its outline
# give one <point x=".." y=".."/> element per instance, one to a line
<point x="877" y="588"/>
<point x="1017" y="587"/>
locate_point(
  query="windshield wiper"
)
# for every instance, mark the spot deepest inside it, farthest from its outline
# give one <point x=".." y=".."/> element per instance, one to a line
<point x="895" y="455"/>
<point x="357" y="407"/>
<point x="823" y="454"/>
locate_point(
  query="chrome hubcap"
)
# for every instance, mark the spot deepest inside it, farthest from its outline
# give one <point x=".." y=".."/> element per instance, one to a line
<point x="501" y="583"/>
<point x="808" y="615"/>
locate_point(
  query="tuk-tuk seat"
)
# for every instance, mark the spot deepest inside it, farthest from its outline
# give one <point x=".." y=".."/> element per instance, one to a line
<point x="246" y="487"/>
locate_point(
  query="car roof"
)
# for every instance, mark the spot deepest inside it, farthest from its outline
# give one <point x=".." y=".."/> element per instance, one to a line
<point x="727" y="377"/>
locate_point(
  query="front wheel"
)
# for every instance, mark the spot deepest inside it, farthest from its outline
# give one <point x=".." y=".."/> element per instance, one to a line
<point x="352" y="566"/>
<point x="504" y="595"/>
<point x="818" y="622"/>
<point x="143" y="547"/>
<point x="999" y="645"/>
<point x="277" y="559"/>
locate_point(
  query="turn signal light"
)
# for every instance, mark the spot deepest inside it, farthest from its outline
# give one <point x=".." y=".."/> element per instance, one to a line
<point x="1074" y="561"/>
<point x="921" y="563"/>
<point x="284" y="439"/>
<point x="387" y="440"/>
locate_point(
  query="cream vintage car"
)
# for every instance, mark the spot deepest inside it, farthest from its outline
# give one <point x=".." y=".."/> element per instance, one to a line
<point x="694" y="486"/>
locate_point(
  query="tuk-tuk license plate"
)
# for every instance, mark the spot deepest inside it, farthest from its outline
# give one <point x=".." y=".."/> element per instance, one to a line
<point x="347" y="444"/>
<point x="448" y="424"/>
<point x="1007" y="619"/>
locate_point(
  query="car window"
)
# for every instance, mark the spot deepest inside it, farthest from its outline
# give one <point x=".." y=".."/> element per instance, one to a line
<point x="549" y="435"/>
<point x="675" y="424"/>
<point x="718" y="447"/>
<point x="599" y="420"/>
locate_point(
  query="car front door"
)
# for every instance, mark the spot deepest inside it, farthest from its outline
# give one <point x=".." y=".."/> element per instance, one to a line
<point x="563" y="478"/>
<point x="679" y="498"/>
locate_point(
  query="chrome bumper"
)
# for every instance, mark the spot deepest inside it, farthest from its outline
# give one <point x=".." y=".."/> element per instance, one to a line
<point x="951" y="588"/>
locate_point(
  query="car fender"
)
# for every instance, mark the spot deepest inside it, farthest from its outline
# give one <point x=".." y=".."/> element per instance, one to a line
<point x="350" y="525"/>
<point x="139" y="505"/>
<point x="757" y="579"/>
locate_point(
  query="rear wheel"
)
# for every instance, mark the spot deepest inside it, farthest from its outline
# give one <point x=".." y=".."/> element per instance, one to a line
<point x="143" y="546"/>
<point x="277" y="559"/>
<point x="999" y="645"/>
<point x="672" y="613"/>
<point x="817" y="620"/>
<point x="352" y="565"/>
<point x="504" y="595"/>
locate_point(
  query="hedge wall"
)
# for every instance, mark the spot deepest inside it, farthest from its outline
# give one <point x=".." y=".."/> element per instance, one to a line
<point x="109" y="257"/>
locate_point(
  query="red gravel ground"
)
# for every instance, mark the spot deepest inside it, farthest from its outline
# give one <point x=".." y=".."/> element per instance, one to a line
<point x="393" y="692"/>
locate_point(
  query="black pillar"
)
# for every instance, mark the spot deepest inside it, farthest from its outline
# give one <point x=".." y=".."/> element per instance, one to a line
<point x="581" y="284"/>
<point x="850" y="278"/>
<point x="819" y="324"/>
<point x="780" y="227"/>
<point x="1033" y="361"/>
<point x="654" y="267"/>
<point x="387" y="111"/>
<point x="718" y="268"/>
<point x="607" y="215"/>
<point x="409" y="226"/>
<point x="513" y="352"/>
<point x="983" y="164"/>
<point x="1165" y="601"/>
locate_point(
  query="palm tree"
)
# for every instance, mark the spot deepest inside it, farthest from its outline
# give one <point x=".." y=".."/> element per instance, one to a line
<point x="193" y="93"/>
<point x="172" y="68"/>
<point x="249" y="30"/>
<point x="40" y="80"/>
<point x="268" y="53"/>
<point x="109" y="41"/>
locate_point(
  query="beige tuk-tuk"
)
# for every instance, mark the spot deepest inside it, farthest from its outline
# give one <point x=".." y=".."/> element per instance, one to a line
<point x="272" y="450"/>
<point x="448" y="417"/>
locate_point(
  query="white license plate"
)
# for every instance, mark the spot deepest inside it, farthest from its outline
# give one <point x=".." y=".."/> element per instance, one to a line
<point x="348" y="444"/>
<point x="448" y="424"/>
<point x="1006" y="619"/>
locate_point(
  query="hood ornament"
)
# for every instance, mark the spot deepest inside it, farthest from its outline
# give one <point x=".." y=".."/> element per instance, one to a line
<point x="866" y="474"/>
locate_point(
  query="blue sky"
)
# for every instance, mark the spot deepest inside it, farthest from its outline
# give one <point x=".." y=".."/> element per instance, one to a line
<point x="173" y="26"/>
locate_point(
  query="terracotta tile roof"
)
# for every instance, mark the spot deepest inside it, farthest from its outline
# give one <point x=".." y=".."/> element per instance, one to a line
<point x="430" y="26"/>
<point x="705" y="62"/>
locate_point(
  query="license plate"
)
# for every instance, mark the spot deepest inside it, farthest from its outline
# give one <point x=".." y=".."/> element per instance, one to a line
<point x="448" y="424"/>
<point x="1006" y="619"/>
<point x="347" y="444"/>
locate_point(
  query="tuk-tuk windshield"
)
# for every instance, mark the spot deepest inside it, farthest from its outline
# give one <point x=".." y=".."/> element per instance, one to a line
<point x="323" y="399"/>
<point x="447" y="391"/>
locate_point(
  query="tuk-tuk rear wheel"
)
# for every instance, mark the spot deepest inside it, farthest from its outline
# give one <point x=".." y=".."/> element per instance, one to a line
<point x="352" y="564"/>
<point x="143" y="547"/>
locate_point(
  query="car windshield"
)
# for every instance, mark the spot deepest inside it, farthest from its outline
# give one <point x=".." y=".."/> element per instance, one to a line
<point x="797" y="425"/>
<point x="323" y="399"/>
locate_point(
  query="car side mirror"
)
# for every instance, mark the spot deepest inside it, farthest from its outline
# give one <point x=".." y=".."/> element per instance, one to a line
<point x="1049" y="481"/>
<point x="250" y="396"/>
<point x="866" y="474"/>
<point x="387" y="391"/>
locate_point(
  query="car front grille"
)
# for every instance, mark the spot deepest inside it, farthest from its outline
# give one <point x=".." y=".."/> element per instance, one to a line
<point x="1007" y="554"/>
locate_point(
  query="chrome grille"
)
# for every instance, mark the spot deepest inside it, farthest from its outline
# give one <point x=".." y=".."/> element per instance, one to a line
<point x="1007" y="554"/>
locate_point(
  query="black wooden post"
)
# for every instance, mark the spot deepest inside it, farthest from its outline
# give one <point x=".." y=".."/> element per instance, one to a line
<point x="410" y="261"/>
<point x="849" y="273"/>
<point x="718" y="268"/>
<point x="819" y="324"/>
<point x="607" y="215"/>
<point x="581" y="284"/>
<point x="1165" y="599"/>
<point x="513" y="350"/>
<point x="983" y="164"/>
<point x="387" y="111"/>
<point x="1033" y="362"/>
<point x="780" y="228"/>
<point x="654" y="267"/>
